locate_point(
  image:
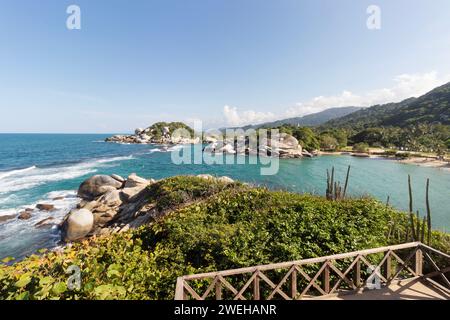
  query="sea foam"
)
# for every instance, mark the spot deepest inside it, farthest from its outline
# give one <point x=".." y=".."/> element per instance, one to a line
<point x="16" y="180"/>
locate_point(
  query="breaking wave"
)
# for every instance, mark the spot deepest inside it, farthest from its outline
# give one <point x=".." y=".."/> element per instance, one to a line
<point x="27" y="178"/>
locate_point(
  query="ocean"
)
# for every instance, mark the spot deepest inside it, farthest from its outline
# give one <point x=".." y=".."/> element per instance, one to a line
<point x="48" y="168"/>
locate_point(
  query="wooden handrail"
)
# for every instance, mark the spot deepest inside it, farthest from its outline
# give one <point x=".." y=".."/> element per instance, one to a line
<point x="283" y="265"/>
<point x="413" y="264"/>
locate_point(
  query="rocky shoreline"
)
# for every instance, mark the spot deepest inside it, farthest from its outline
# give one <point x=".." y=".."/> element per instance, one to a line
<point x="112" y="204"/>
<point x="286" y="147"/>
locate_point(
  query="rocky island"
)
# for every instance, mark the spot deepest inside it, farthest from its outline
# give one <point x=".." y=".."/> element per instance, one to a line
<point x="159" y="133"/>
<point x="287" y="146"/>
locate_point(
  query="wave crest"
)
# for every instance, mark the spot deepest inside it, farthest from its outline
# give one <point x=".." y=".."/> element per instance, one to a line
<point x="27" y="178"/>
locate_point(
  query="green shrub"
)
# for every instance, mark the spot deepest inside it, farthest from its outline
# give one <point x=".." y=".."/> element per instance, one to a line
<point x="212" y="227"/>
<point x="361" y="147"/>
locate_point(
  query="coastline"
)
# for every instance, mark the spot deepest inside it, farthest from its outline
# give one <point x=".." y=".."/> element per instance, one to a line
<point x="418" y="161"/>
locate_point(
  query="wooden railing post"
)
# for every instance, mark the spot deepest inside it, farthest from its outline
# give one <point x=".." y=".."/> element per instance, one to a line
<point x="218" y="290"/>
<point x="294" y="284"/>
<point x="357" y="274"/>
<point x="179" y="291"/>
<point x="388" y="266"/>
<point x="326" y="278"/>
<point x="419" y="262"/>
<point x="256" y="291"/>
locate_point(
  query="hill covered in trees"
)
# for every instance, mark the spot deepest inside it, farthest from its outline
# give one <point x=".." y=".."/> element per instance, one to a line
<point x="313" y="119"/>
<point x="431" y="109"/>
<point x="309" y="120"/>
<point x="415" y="124"/>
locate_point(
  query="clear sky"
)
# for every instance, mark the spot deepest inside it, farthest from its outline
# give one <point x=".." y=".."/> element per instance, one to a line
<point x="227" y="62"/>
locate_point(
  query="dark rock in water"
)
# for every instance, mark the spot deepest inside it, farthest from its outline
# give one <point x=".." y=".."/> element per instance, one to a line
<point x="7" y="217"/>
<point x="58" y="198"/>
<point x="44" y="223"/>
<point x="24" y="215"/>
<point x="96" y="186"/>
<point x="45" y="207"/>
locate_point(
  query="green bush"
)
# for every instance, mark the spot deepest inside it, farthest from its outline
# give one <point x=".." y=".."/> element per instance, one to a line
<point x="210" y="226"/>
<point x="361" y="147"/>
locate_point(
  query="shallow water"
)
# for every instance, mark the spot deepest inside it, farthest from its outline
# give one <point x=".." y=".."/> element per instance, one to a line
<point x="39" y="168"/>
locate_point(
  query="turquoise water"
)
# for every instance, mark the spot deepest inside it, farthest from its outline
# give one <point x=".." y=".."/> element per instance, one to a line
<point x="39" y="168"/>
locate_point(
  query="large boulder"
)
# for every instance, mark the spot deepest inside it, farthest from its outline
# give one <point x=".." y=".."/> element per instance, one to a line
<point x="228" y="148"/>
<point x="288" y="142"/>
<point x="111" y="198"/>
<point x="135" y="181"/>
<point x="130" y="194"/>
<point x="77" y="225"/>
<point x="96" y="186"/>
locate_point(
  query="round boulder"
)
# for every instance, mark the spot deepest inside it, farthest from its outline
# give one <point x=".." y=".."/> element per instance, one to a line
<point x="96" y="186"/>
<point x="77" y="225"/>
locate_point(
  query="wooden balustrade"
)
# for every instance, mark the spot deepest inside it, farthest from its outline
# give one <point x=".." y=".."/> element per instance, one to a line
<point x="318" y="276"/>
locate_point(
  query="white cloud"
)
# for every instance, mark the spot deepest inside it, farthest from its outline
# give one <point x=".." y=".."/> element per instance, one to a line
<point x="404" y="86"/>
<point x="235" y="118"/>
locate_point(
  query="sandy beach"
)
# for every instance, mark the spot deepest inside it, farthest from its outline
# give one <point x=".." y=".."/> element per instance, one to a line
<point x="418" y="161"/>
<point x="426" y="162"/>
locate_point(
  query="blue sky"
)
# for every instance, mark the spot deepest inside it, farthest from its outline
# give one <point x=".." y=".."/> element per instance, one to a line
<point x="226" y="62"/>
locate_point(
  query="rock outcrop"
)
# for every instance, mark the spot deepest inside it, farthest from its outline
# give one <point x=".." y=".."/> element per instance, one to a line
<point x="97" y="186"/>
<point x="286" y="146"/>
<point x="115" y="210"/>
<point x="159" y="133"/>
<point x="107" y="202"/>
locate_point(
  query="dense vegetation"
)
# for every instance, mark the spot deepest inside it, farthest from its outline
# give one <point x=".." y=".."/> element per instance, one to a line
<point x="207" y="226"/>
<point x="418" y="124"/>
<point x="431" y="108"/>
<point x="309" y="120"/>
<point x="157" y="128"/>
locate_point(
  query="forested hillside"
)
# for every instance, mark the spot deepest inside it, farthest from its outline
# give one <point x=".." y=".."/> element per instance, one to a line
<point x="431" y="108"/>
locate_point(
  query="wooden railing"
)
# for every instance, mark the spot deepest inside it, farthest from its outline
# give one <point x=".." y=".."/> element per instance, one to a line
<point x="347" y="272"/>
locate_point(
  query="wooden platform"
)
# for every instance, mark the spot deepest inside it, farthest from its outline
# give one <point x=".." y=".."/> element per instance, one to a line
<point x="411" y="271"/>
<point x="411" y="289"/>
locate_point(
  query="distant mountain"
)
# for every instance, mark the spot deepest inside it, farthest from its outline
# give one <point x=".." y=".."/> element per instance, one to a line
<point x="309" y="120"/>
<point x="431" y="108"/>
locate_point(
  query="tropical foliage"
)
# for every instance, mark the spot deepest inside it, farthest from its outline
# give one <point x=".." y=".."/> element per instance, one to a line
<point x="206" y="226"/>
